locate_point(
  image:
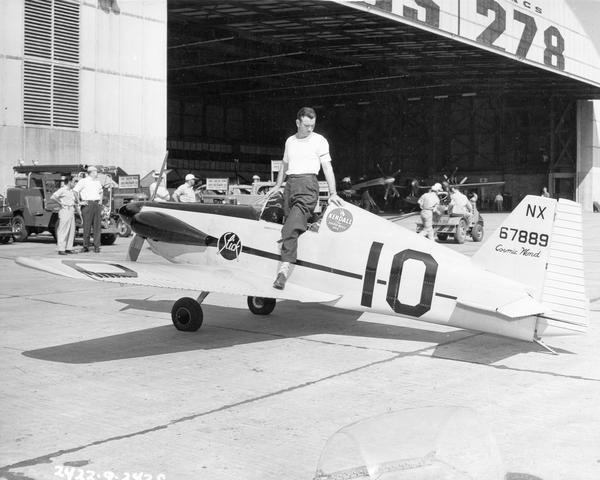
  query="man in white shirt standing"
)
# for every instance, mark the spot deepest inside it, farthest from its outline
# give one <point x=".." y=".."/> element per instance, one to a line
<point x="428" y="202"/>
<point x="305" y="153"/>
<point x="89" y="194"/>
<point x="185" y="192"/>
<point x="162" y="194"/>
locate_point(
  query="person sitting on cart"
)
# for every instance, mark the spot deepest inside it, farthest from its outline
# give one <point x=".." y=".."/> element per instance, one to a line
<point x="459" y="204"/>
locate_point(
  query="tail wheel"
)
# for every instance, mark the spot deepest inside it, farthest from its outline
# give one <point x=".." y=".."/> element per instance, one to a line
<point x="461" y="231"/>
<point x="261" y="305"/>
<point x="187" y="315"/>
<point x="20" y="232"/>
<point x="477" y="232"/>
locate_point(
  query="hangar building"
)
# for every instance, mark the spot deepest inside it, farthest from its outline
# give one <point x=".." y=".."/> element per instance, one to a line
<point x="501" y="89"/>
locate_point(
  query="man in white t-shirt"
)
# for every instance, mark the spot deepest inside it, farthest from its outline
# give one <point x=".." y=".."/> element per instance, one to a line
<point x="305" y="153"/>
<point x="89" y="194"/>
<point x="162" y="194"/>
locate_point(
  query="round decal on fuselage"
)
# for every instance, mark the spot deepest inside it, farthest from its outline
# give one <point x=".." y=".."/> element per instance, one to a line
<point x="229" y="246"/>
<point x="339" y="220"/>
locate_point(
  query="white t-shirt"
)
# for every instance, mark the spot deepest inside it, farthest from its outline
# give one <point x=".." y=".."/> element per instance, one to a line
<point x="88" y="189"/>
<point x="305" y="155"/>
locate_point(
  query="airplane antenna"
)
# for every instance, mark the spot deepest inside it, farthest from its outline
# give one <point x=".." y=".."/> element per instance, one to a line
<point x="162" y="169"/>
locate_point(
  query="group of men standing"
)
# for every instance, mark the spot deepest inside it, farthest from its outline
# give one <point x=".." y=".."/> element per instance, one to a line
<point x="84" y="194"/>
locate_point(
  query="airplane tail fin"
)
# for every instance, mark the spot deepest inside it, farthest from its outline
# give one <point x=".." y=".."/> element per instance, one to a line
<point x="540" y="244"/>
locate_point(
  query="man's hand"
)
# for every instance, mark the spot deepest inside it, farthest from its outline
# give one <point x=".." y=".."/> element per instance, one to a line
<point x="336" y="200"/>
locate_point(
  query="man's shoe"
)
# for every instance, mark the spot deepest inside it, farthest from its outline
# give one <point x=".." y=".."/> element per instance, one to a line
<point x="61" y="252"/>
<point x="71" y="252"/>
<point x="279" y="282"/>
<point x="96" y="249"/>
<point x="85" y="250"/>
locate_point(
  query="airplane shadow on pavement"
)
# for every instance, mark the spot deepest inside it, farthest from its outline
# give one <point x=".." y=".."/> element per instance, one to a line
<point x="226" y="327"/>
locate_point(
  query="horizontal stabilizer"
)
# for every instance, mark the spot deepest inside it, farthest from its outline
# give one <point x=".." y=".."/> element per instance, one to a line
<point x="176" y="276"/>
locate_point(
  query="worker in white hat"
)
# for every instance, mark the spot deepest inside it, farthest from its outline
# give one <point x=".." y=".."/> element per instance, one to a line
<point x="158" y="185"/>
<point x="428" y="202"/>
<point x="89" y="195"/>
<point x="185" y="192"/>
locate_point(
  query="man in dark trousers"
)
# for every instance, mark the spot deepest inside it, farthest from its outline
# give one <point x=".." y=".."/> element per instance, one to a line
<point x="89" y="192"/>
<point x="305" y="153"/>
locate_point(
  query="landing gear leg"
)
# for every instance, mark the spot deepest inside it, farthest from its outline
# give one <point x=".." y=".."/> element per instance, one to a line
<point x="540" y="342"/>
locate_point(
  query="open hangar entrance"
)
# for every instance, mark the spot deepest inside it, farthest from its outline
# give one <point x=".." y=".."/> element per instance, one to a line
<point x="398" y="95"/>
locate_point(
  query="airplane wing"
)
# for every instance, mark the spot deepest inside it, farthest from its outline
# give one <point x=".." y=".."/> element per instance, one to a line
<point x="176" y="276"/>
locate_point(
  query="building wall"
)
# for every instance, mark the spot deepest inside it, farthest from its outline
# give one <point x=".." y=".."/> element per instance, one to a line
<point x="588" y="153"/>
<point x="122" y="90"/>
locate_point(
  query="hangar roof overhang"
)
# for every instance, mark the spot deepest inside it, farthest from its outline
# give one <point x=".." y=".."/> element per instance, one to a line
<point x="330" y="52"/>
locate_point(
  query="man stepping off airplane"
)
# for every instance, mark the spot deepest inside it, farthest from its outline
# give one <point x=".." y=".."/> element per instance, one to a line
<point x="305" y="153"/>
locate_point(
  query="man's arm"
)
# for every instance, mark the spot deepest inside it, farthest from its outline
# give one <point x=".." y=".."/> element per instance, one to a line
<point x="280" y="177"/>
<point x="330" y="178"/>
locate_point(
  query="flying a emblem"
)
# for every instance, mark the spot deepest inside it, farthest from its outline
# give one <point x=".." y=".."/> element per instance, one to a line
<point x="525" y="282"/>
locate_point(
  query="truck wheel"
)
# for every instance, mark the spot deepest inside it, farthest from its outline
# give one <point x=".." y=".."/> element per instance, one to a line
<point x="20" y="232"/>
<point x="461" y="231"/>
<point x="261" y="305"/>
<point x="442" y="237"/>
<point x="477" y="232"/>
<point x="123" y="228"/>
<point x="187" y="315"/>
<point x="108" y="238"/>
<point x="5" y="239"/>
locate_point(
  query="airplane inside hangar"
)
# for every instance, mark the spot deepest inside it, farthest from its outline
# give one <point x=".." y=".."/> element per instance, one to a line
<point x="496" y="89"/>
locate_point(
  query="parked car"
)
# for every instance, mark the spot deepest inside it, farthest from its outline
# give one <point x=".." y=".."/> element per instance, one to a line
<point x="6" y="216"/>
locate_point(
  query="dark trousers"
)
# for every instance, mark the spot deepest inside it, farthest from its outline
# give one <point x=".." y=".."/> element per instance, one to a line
<point x="91" y="214"/>
<point x="300" y="198"/>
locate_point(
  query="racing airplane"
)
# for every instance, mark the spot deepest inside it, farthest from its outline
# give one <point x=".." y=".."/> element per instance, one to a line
<point x="525" y="282"/>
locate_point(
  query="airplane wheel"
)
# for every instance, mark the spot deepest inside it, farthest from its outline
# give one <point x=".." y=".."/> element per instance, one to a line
<point x="477" y="232"/>
<point x="461" y="231"/>
<point x="261" y="305"/>
<point x="187" y="315"/>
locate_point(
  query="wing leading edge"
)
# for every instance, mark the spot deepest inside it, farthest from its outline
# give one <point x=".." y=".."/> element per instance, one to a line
<point x="179" y="277"/>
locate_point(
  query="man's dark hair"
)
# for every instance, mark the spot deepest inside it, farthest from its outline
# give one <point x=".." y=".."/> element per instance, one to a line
<point x="306" y="112"/>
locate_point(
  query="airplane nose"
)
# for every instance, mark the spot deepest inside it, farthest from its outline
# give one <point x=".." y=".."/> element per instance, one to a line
<point x="128" y="211"/>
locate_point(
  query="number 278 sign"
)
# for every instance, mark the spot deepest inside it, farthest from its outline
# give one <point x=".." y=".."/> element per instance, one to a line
<point x="548" y="33"/>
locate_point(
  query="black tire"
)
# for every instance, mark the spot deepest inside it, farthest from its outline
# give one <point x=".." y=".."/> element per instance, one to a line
<point x="477" y="232"/>
<point x="460" y="234"/>
<point x="5" y="239"/>
<point x="261" y="305"/>
<point x="187" y="315"/>
<point x="108" y="238"/>
<point x="20" y="232"/>
<point x="123" y="228"/>
<point x="442" y="237"/>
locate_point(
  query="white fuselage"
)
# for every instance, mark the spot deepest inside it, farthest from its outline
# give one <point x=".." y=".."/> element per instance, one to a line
<point x="372" y="264"/>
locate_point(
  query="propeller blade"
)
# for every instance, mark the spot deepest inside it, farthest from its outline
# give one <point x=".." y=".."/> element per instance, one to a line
<point x="463" y="180"/>
<point x="135" y="247"/>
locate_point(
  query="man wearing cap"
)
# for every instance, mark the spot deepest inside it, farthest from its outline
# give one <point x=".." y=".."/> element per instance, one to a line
<point x="185" y="192"/>
<point x="428" y="201"/>
<point x="88" y="192"/>
<point x="65" y="232"/>
<point x="162" y="194"/>
<point x="305" y="154"/>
